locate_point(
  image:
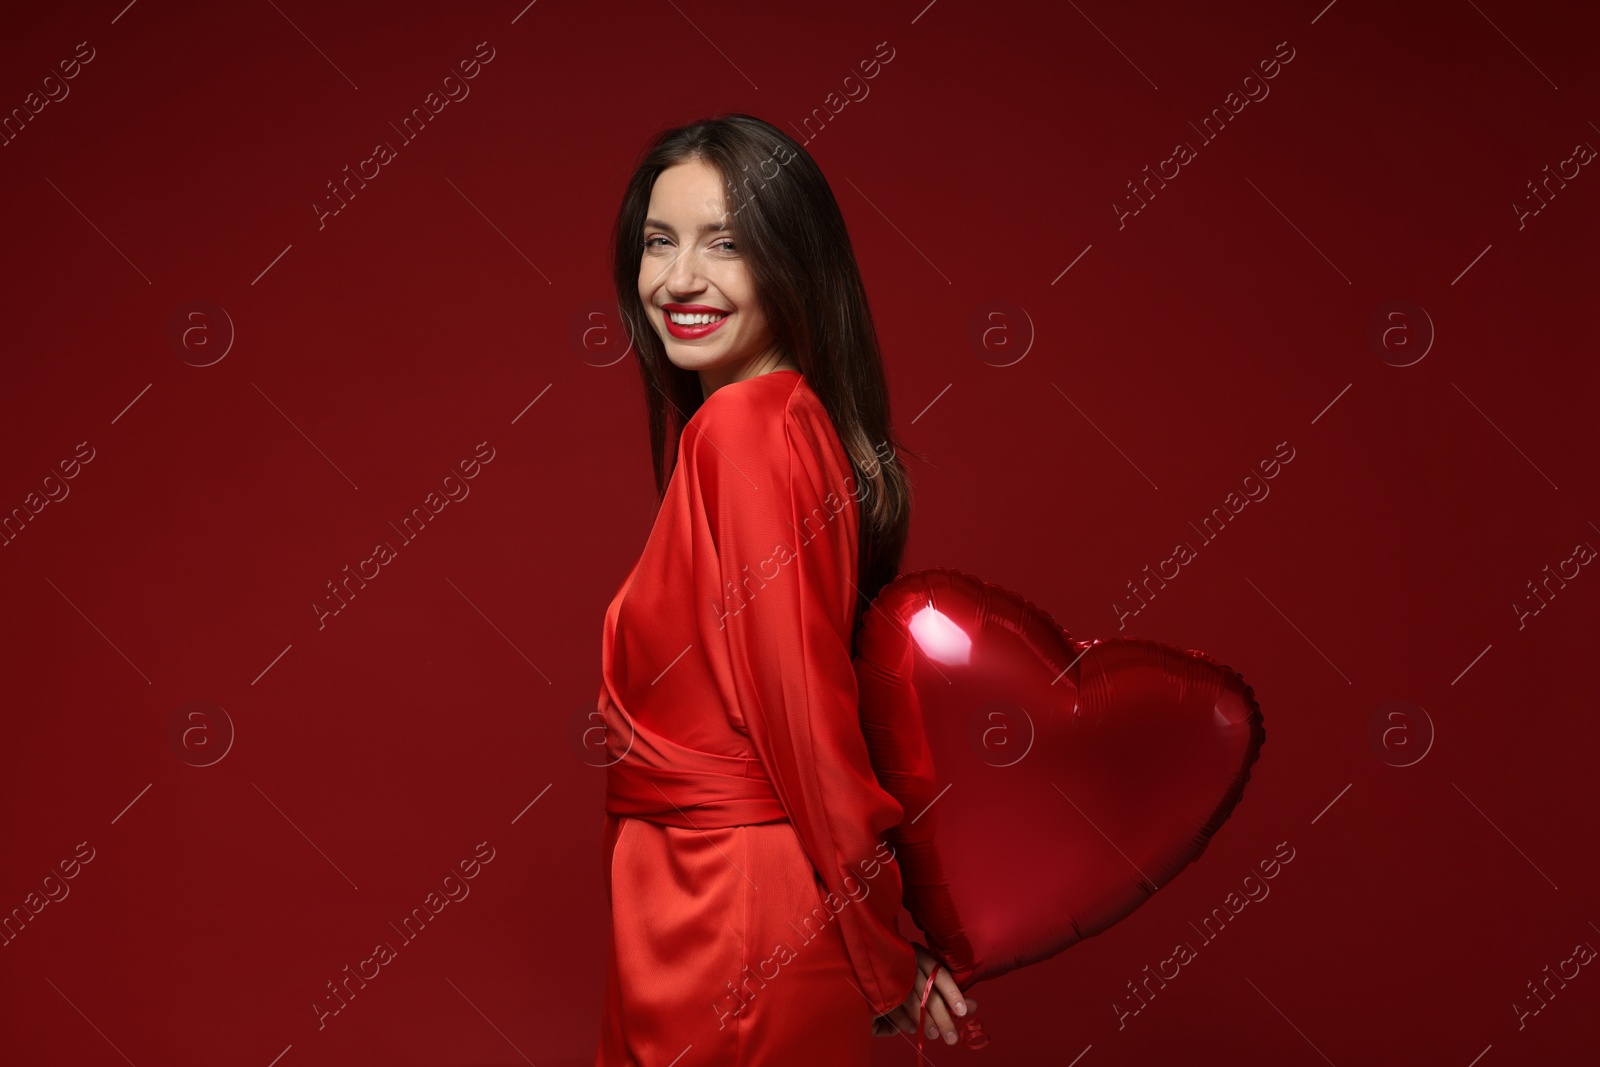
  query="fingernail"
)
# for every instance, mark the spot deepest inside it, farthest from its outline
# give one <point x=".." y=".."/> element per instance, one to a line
<point x="949" y="1037"/>
<point x="961" y="1007"/>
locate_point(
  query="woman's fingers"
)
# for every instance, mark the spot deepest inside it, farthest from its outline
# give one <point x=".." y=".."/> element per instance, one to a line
<point x="939" y="1018"/>
<point x="897" y="1020"/>
<point x="940" y="999"/>
<point x="903" y="1020"/>
<point x="952" y="992"/>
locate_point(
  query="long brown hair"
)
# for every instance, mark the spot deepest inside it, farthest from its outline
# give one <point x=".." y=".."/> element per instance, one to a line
<point x="791" y="234"/>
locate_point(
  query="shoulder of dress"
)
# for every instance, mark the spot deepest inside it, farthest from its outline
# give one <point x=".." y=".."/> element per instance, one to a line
<point x="758" y="397"/>
<point x="774" y="424"/>
<point x="753" y="414"/>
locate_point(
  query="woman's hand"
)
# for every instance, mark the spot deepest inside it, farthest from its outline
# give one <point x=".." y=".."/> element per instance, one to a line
<point x="945" y="1003"/>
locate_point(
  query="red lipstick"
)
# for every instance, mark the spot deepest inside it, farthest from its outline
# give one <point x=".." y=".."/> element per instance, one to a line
<point x="689" y="333"/>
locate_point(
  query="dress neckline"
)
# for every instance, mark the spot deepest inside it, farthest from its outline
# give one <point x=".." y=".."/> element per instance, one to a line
<point x="743" y="381"/>
<point x="764" y="374"/>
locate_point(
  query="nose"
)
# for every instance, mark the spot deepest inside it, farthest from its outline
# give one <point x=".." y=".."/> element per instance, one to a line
<point x="682" y="277"/>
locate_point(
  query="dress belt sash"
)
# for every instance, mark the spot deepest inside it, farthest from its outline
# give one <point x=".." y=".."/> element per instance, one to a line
<point x="652" y="777"/>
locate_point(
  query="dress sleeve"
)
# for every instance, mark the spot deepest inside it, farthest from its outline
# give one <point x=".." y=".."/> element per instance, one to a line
<point x="777" y="597"/>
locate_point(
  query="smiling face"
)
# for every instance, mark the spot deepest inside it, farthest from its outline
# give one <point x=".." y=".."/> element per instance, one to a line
<point x="695" y="286"/>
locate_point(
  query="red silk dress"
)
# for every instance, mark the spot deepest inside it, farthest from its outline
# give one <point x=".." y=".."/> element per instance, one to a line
<point x="753" y="901"/>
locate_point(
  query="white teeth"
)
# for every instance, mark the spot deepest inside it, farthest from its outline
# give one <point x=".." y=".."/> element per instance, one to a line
<point x="702" y="319"/>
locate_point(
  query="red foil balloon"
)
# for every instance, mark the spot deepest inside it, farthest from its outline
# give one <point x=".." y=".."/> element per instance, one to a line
<point x="1050" y="785"/>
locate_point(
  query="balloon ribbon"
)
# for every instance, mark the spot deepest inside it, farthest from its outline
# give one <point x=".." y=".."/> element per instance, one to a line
<point x="973" y="1036"/>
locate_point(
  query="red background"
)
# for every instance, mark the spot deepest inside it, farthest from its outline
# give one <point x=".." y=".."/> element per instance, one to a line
<point x="1231" y="314"/>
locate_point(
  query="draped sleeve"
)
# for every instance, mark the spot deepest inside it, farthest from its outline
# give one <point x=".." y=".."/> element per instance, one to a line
<point x="775" y="566"/>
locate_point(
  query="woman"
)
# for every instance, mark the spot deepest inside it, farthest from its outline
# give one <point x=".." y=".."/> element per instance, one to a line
<point x="753" y="901"/>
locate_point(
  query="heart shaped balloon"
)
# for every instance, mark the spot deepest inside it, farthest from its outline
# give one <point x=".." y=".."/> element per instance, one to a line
<point x="1050" y="785"/>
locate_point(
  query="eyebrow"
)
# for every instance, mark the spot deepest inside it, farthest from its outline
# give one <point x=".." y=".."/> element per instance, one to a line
<point x="705" y="227"/>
